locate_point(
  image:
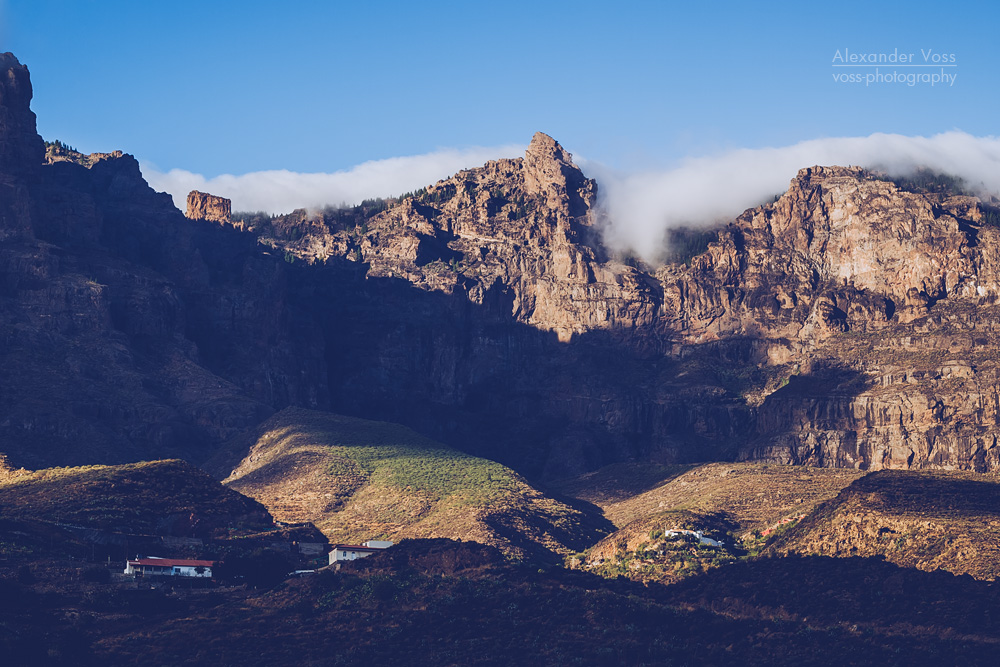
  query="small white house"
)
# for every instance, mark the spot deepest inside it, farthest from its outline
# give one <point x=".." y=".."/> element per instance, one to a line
<point x="343" y="552"/>
<point x="697" y="534"/>
<point x="169" y="567"/>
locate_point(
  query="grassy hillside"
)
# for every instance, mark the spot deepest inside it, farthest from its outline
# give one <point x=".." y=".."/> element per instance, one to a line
<point x="357" y="479"/>
<point x="751" y="495"/>
<point x="742" y="505"/>
<point x="926" y="520"/>
<point x="159" y="497"/>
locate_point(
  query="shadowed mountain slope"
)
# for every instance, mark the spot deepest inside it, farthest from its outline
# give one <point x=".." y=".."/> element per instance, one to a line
<point x="157" y="497"/>
<point x="775" y="612"/>
<point x="850" y="323"/>
<point x="926" y="520"/>
<point x="357" y="479"/>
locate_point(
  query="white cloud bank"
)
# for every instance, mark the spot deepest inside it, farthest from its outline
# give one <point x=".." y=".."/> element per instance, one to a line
<point x="640" y="206"/>
<point x="282" y="191"/>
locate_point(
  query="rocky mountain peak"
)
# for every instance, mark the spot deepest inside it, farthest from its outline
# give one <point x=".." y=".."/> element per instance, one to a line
<point x="834" y="171"/>
<point x="544" y="148"/>
<point x="550" y="173"/>
<point x="854" y="228"/>
<point x="8" y="60"/>
<point x="851" y="322"/>
<point x="21" y="149"/>
<point x="20" y="146"/>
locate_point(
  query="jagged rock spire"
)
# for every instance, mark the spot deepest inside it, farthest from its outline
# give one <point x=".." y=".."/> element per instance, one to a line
<point x="21" y="149"/>
<point x="549" y="171"/>
<point x="544" y="148"/>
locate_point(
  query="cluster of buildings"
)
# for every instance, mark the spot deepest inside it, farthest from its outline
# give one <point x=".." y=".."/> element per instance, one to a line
<point x="153" y="566"/>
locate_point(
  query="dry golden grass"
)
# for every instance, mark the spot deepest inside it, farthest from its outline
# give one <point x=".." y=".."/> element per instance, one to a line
<point x="927" y="520"/>
<point x="357" y="479"/>
<point x="752" y="495"/>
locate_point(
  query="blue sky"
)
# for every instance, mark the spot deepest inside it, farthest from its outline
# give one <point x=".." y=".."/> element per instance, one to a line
<point x="321" y="86"/>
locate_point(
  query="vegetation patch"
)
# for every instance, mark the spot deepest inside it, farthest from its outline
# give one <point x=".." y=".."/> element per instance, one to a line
<point x="925" y="180"/>
<point x="358" y="479"/>
<point x="665" y="547"/>
<point x="682" y="244"/>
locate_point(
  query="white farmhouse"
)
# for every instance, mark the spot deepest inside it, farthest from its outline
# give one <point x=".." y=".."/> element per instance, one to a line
<point x="343" y="552"/>
<point x="169" y="567"/>
<point x="697" y="534"/>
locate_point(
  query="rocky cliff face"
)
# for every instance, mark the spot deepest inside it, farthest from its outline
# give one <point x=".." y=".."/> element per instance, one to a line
<point x="821" y="329"/>
<point x="21" y="148"/>
<point x="119" y="316"/>
<point x="850" y="323"/>
<point x="203" y="206"/>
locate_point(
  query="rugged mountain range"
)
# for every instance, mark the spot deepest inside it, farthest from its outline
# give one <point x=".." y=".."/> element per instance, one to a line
<point x="850" y="323"/>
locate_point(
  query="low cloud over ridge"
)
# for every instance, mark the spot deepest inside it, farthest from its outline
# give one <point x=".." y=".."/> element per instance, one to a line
<point x="639" y="206"/>
<point x="281" y="191"/>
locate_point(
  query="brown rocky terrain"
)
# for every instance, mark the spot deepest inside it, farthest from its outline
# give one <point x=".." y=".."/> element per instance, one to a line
<point x="741" y="505"/>
<point x="104" y="289"/>
<point x="772" y="612"/>
<point x="928" y="520"/>
<point x="753" y="496"/>
<point x="203" y="206"/>
<point x="431" y="602"/>
<point x="848" y="324"/>
<point x="159" y="497"/>
<point x="851" y="325"/>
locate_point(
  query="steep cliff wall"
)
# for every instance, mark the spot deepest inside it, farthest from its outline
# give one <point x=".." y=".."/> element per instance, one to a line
<point x="21" y="149"/>
<point x="98" y="280"/>
<point x="849" y="323"/>
<point x="842" y="325"/>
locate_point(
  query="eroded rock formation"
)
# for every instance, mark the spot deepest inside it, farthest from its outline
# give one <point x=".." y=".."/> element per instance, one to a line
<point x="849" y="323"/>
<point x="203" y="206"/>
<point x="813" y="330"/>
